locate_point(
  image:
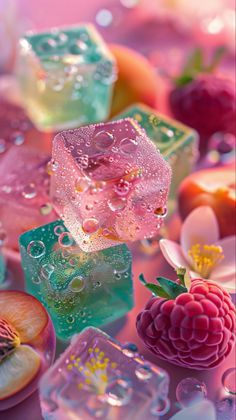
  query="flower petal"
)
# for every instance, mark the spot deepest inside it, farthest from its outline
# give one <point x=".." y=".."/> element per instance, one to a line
<point x="173" y="253"/>
<point x="228" y="283"/>
<point x="227" y="266"/>
<point x="200" y="227"/>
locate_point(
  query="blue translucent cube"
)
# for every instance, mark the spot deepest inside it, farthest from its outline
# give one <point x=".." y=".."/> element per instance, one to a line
<point x="78" y="289"/>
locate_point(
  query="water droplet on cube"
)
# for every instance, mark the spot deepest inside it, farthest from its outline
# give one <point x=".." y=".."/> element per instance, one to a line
<point x="189" y="391"/>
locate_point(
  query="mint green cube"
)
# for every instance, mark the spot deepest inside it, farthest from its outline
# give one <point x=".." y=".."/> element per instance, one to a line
<point x="66" y="77"/>
<point x="176" y="142"/>
<point x="78" y="289"/>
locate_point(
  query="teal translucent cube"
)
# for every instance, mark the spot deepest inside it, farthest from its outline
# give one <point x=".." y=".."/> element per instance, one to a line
<point x="176" y="142"/>
<point x="66" y="77"/>
<point x="78" y="289"/>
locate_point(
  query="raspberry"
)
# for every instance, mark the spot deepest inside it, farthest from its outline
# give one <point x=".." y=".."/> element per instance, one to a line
<point x="191" y="330"/>
<point x="207" y="104"/>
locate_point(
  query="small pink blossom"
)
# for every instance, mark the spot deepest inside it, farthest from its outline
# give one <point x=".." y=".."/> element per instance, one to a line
<point x="201" y="251"/>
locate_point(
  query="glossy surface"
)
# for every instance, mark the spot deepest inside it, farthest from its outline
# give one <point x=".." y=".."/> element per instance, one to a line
<point x="69" y="78"/>
<point x="24" y="195"/>
<point x="27" y="346"/>
<point x="78" y="289"/>
<point x="95" y="378"/>
<point x="176" y="142"/>
<point x="109" y="184"/>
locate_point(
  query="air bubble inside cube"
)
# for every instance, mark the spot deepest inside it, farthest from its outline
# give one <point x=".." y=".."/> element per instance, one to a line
<point x="78" y="289"/>
<point x="94" y="378"/>
<point x="109" y="184"/>
<point x="66" y="77"/>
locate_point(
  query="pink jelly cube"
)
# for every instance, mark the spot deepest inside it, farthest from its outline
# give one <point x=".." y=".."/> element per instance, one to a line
<point x="24" y="193"/>
<point x="109" y="183"/>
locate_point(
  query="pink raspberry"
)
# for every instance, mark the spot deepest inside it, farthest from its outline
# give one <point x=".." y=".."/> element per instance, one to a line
<point x="194" y="330"/>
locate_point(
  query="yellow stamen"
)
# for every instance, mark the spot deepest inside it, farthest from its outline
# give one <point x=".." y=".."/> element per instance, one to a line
<point x="205" y="258"/>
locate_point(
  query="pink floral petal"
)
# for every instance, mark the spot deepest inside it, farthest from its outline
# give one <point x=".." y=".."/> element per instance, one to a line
<point x="226" y="268"/>
<point x="200" y="227"/>
<point x="173" y="253"/>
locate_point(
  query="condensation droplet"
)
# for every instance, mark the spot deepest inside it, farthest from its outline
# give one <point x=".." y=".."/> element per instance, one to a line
<point x="66" y="239"/>
<point x="122" y="188"/>
<point x="160" y="211"/>
<point x="29" y="191"/>
<point x="36" y="249"/>
<point x="117" y="203"/>
<point x="189" y="391"/>
<point x="229" y="381"/>
<point x="17" y="138"/>
<point x="103" y="140"/>
<point x="90" y="226"/>
<point x="47" y="45"/>
<point x="58" y="230"/>
<point x="77" y="284"/>
<point x="81" y="184"/>
<point x="78" y="47"/>
<point x="160" y="407"/>
<point x="143" y="372"/>
<point x="130" y="349"/>
<point x="52" y="167"/>
<point x="128" y="146"/>
<point x="118" y="392"/>
<point x="46" y="271"/>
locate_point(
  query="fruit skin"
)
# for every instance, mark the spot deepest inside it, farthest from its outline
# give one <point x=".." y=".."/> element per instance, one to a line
<point x="196" y="330"/>
<point x="136" y="81"/>
<point x="211" y="187"/>
<point x="207" y="104"/>
<point x="44" y="343"/>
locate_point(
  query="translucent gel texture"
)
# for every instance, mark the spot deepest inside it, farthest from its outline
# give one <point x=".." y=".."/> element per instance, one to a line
<point x="78" y="289"/>
<point x="94" y="379"/>
<point x="66" y="77"/>
<point x="176" y="142"/>
<point x="24" y="193"/>
<point x="109" y="184"/>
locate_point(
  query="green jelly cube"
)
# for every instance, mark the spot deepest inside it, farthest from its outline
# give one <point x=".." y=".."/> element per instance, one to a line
<point x="78" y="289"/>
<point x="176" y="142"/>
<point x="66" y="77"/>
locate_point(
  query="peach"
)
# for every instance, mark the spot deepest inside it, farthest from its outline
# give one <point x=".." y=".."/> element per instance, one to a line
<point x="27" y="346"/>
<point x="212" y="187"/>
<point x="136" y="81"/>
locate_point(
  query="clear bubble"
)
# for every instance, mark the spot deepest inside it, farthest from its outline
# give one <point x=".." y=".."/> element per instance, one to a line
<point x="52" y="167"/>
<point x="46" y="271"/>
<point x="36" y="249"/>
<point x="130" y="349"/>
<point x="3" y="145"/>
<point x="122" y="188"/>
<point x="66" y="239"/>
<point x="45" y="209"/>
<point x="17" y="138"/>
<point x="118" y="392"/>
<point x="103" y="140"/>
<point x="77" y="284"/>
<point x="70" y="319"/>
<point x="57" y="84"/>
<point x="58" y="230"/>
<point x="47" y="45"/>
<point x="117" y="203"/>
<point x="90" y="226"/>
<point x="81" y="184"/>
<point x="160" y="407"/>
<point x="161" y="211"/>
<point x="189" y="391"/>
<point x="128" y="146"/>
<point x="143" y="372"/>
<point x="78" y="47"/>
<point x="229" y="381"/>
<point x="29" y="191"/>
